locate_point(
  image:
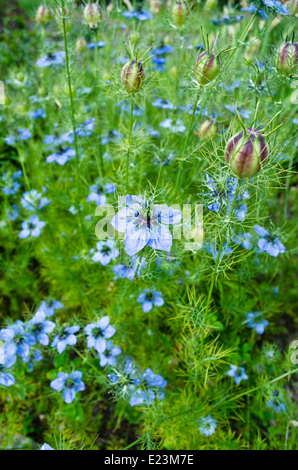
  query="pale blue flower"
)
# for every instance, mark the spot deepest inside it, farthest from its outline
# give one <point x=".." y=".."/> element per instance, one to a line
<point x="268" y="243"/>
<point x="207" y="426"/>
<point x="70" y="384"/>
<point x="238" y="373"/>
<point x="98" y="333"/>
<point x="150" y="298"/>
<point x="256" y="321"/>
<point x="32" y="227"/>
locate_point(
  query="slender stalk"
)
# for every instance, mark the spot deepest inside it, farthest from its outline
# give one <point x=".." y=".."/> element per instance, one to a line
<point x="128" y="148"/>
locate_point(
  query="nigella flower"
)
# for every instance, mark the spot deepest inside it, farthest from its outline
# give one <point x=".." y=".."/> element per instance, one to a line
<point x="244" y="240"/>
<point x="252" y="9"/>
<point x="39" y="328"/>
<point x="99" y="45"/>
<point x="48" y="308"/>
<point x="256" y="321"/>
<point x="23" y="134"/>
<point x="108" y="357"/>
<point x="51" y="59"/>
<point x="207" y="426"/>
<point x="46" y="446"/>
<point x="110" y="188"/>
<point x="159" y="63"/>
<point x="242" y="112"/>
<point x="238" y="373"/>
<point x="54" y="140"/>
<point x="65" y="338"/>
<point x="106" y="251"/>
<point x="276" y="5"/>
<point x="167" y="49"/>
<point x="212" y="249"/>
<point x="34" y="356"/>
<point x="39" y="113"/>
<point x="70" y="384"/>
<point x="276" y="402"/>
<point x="32" y="227"/>
<point x="145" y="224"/>
<point x="17" y="341"/>
<point x="174" y="126"/>
<point x="61" y="156"/>
<point x="267" y="243"/>
<point x="141" y="15"/>
<point x="227" y="19"/>
<point x="149" y="298"/>
<point x="86" y="128"/>
<point x="33" y="200"/>
<point x="224" y="195"/>
<point x="96" y="194"/>
<point x="11" y="185"/>
<point x="165" y="104"/>
<point x="112" y="136"/>
<point x="98" y="333"/>
<point x="6" y="362"/>
<point x="130" y="271"/>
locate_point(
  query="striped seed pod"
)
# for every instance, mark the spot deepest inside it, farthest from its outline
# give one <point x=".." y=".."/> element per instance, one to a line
<point x="179" y="13"/>
<point x="208" y="129"/>
<point x="132" y="76"/>
<point x="287" y="58"/>
<point x="93" y="15"/>
<point x="43" y="14"/>
<point x="207" y="67"/>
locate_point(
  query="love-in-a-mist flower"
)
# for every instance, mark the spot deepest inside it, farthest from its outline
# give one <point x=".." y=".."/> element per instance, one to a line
<point x="238" y="373"/>
<point x="6" y="378"/>
<point x="256" y="321"/>
<point x="174" y="126"/>
<point x="276" y="6"/>
<point x="39" y="327"/>
<point x="246" y="153"/>
<point x="33" y="200"/>
<point x="133" y="76"/>
<point x="106" y="251"/>
<point x="48" y="308"/>
<point x="46" y="446"/>
<point x="109" y="356"/>
<point x="150" y="298"/>
<point x="268" y="243"/>
<point x="141" y="15"/>
<point x="287" y="58"/>
<point x="66" y="338"/>
<point x="17" y="341"/>
<point x="70" y="384"/>
<point x="179" y="12"/>
<point x="98" y="333"/>
<point x="97" y="195"/>
<point x="276" y="402"/>
<point x="61" y="156"/>
<point x="32" y="227"/>
<point x="131" y="270"/>
<point x="244" y="240"/>
<point x="22" y="134"/>
<point x="55" y="58"/>
<point x="34" y="356"/>
<point x="145" y="224"/>
<point x="207" y="67"/>
<point x="207" y="425"/>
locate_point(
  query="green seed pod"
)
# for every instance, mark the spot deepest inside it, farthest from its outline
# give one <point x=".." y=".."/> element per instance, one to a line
<point x="246" y="153"/>
<point x="93" y="15"/>
<point x="81" y="45"/>
<point x="179" y="13"/>
<point x="132" y="76"/>
<point x="208" y="129"/>
<point x="207" y="67"/>
<point x="211" y="5"/>
<point x="135" y="38"/>
<point x="287" y="58"/>
<point x="43" y="15"/>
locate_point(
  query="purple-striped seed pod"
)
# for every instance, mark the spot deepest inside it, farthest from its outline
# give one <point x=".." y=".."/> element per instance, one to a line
<point x="287" y="58"/>
<point x="93" y="15"/>
<point x="43" y="14"/>
<point x="179" y="13"/>
<point x="207" y="67"/>
<point x="208" y="129"/>
<point x="132" y="76"/>
<point x="246" y="153"/>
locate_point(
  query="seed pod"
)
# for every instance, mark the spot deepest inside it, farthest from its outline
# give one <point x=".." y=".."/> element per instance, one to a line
<point x="179" y="13"/>
<point x="81" y="45"/>
<point x="287" y="58"/>
<point x="211" y="5"/>
<point x="43" y="14"/>
<point x="93" y="15"/>
<point x="135" y="38"/>
<point x="246" y="153"/>
<point x="207" y="67"/>
<point x="208" y="129"/>
<point x="132" y="76"/>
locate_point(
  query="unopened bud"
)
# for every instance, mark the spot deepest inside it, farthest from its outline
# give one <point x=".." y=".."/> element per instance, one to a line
<point x="179" y="13"/>
<point x="43" y="14"/>
<point x="135" y="38"/>
<point x="81" y="45"/>
<point x="287" y="58"/>
<point x="207" y="67"/>
<point x="211" y="5"/>
<point x="246" y="153"/>
<point x="208" y="129"/>
<point x="132" y="76"/>
<point x="93" y="15"/>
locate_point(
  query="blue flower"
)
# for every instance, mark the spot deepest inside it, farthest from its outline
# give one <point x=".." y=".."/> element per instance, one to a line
<point x="141" y="15"/>
<point x="39" y="113"/>
<point x="48" y="308"/>
<point x="46" y="446"/>
<point x="100" y="44"/>
<point x="33" y="200"/>
<point x="17" y="341"/>
<point x="32" y="227"/>
<point x="150" y="298"/>
<point x="39" y="328"/>
<point x="252" y="9"/>
<point x="96" y="194"/>
<point x="66" y="338"/>
<point x="106" y="251"/>
<point x="244" y="240"/>
<point x="23" y="134"/>
<point x="257" y="321"/>
<point x="276" y="402"/>
<point x="12" y="186"/>
<point x="174" y="126"/>
<point x="112" y="136"/>
<point x="242" y="112"/>
<point x="86" y="128"/>
<point x="61" y="156"/>
<point x="145" y="224"/>
<point x="207" y="426"/>
<point x="165" y="104"/>
<point x="34" y="356"/>
<point x="6" y="362"/>
<point x="51" y="59"/>
<point x="267" y="243"/>
<point x="153" y="380"/>
<point x="130" y="271"/>
<point x="98" y="333"/>
<point x="238" y="373"/>
<point x="108" y="357"/>
<point x="167" y="49"/>
<point x="277" y="6"/>
<point x="212" y="249"/>
<point x="54" y="140"/>
<point x="70" y="384"/>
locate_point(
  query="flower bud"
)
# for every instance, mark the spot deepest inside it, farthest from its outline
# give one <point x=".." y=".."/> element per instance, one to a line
<point x="132" y="76"/>
<point x="287" y="58"/>
<point x="135" y="38"/>
<point x="246" y="153"/>
<point x="179" y="13"/>
<point x="211" y="5"/>
<point x="207" y="67"/>
<point x="43" y="14"/>
<point x="208" y="129"/>
<point x="81" y="45"/>
<point x="93" y="15"/>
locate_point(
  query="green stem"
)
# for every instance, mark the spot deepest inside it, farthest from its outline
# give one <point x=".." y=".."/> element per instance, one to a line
<point x="128" y="148"/>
